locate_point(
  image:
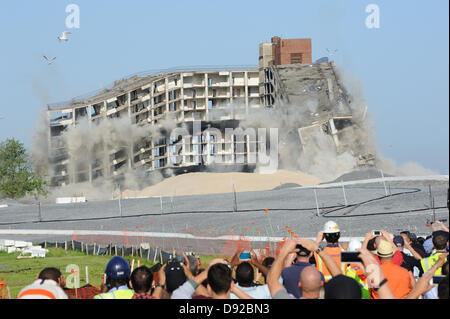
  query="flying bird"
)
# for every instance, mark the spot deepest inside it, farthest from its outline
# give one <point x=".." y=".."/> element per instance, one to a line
<point x="49" y="61"/>
<point x="64" y="37"/>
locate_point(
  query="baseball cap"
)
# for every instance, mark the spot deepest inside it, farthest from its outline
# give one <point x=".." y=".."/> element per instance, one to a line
<point x="399" y="241"/>
<point x="385" y="249"/>
<point x="342" y="287"/>
<point x="175" y="276"/>
<point x="330" y="228"/>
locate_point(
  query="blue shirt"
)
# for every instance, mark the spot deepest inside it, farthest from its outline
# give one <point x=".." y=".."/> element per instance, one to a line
<point x="291" y="277"/>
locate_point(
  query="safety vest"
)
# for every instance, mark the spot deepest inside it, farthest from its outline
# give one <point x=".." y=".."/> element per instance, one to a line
<point x="117" y="294"/>
<point x="335" y="252"/>
<point x="427" y="263"/>
<point x="355" y="272"/>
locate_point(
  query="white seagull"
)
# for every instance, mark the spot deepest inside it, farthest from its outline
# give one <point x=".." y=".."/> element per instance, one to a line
<point x="64" y="37"/>
<point x="49" y="61"/>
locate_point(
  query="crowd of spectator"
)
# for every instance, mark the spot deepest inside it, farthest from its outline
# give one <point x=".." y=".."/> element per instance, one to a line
<point x="382" y="266"/>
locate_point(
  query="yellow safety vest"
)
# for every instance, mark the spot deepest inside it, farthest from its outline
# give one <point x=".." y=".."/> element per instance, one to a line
<point x="117" y="294"/>
<point x="427" y="263"/>
<point x="350" y="272"/>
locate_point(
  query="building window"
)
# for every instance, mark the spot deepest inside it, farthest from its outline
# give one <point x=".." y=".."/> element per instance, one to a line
<point x="296" y="58"/>
<point x="210" y="82"/>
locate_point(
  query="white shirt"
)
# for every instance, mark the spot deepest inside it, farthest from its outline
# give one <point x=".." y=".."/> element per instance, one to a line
<point x="48" y="285"/>
<point x="256" y="292"/>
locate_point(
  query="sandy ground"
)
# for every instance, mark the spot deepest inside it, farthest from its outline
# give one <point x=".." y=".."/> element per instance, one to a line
<point x="215" y="183"/>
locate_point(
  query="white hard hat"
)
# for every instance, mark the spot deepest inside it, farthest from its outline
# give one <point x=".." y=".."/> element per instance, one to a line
<point x="330" y="227"/>
<point x="354" y="245"/>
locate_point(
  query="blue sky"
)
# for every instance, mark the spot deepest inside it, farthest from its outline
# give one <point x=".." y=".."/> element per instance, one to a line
<point x="402" y="66"/>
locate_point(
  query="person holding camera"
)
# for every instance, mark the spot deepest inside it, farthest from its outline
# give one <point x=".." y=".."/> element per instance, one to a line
<point x="291" y="275"/>
<point x="331" y="233"/>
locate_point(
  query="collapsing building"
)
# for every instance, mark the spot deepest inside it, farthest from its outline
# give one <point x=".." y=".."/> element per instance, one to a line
<point x="128" y="126"/>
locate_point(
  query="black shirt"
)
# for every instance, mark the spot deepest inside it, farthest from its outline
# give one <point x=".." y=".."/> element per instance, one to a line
<point x="410" y="262"/>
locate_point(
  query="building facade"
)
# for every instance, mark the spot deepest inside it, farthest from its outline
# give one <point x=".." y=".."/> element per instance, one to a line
<point x="213" y="95"/>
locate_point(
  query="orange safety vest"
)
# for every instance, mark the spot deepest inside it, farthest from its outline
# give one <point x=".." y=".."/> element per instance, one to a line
<point x="335" y="252"/>
<point x="41" y="292"/>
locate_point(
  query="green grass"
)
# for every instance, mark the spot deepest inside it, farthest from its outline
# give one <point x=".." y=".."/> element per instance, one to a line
<point x="23" y="271"/>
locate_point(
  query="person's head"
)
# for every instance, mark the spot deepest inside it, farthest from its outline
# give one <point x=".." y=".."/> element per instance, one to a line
<point x="399" y="241"/>
<point x="331" y="232"/>
<point x="267" y="262"/>
<point x="385" y="250"/>
<point x="303" y="254"/>
<point x="219" y="280"/>
<point x="245" y="274"/>
<point x="175" y="276"/>
<point x="413" y="238"/>
<point x="54" y="274"/>
<point x="371" y="245"/>
<point x="440" y="239"/>
<point x="405" y="234"/>
<point x="420" y="240"/>
<point x="342" y="287"/>
<point x="354" y="245"/>
<point x="141" y="279"/>
<point x="310" y="282"/>
<point x="443" y="288"/>
<point x="117" y="272"/>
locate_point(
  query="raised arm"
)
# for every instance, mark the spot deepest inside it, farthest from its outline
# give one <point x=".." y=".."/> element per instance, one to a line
<point x="277" y="266"/>
<point x="415" y="253"/>
<point x="367" y="238"/>
<point x="254" y="260"/>
<point x="333" y="268"/>
<point x="158" y="291"/>
<point x="423" y="284"/>
<point x="375" y="274"/>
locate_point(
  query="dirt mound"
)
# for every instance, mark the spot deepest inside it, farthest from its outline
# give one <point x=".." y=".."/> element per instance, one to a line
<point x="362" y="174"/>
<point x="214" y="183"/>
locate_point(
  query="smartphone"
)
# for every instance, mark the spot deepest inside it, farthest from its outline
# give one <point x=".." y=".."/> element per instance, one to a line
<point x="245" y="256"/>
<point x="351" y="257"/>
<point x="437" y="279"/>
<point x="376" y="233"/>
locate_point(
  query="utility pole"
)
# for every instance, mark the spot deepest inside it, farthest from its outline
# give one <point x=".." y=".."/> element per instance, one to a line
<point x="317" y="203"/>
